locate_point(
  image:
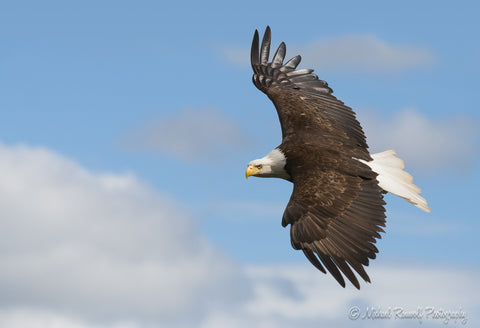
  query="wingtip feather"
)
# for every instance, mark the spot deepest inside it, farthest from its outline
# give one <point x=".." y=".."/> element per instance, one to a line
<point x="265" y="48"/>
<point x="276" y="70"/>
<point x="279" y="56"/>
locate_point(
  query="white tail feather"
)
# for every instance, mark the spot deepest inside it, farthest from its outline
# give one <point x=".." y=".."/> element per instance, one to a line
<point x="392" y="178"/>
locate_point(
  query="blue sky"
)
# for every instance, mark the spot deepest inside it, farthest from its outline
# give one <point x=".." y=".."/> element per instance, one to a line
<point x="125" y="132"/>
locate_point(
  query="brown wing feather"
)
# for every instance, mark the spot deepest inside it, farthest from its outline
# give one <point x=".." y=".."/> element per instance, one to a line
<point x="337" y="217"/>
<point x="303" y="102"/>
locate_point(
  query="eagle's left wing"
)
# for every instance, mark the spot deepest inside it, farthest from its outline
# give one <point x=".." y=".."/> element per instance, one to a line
<point x="335" y="218"/>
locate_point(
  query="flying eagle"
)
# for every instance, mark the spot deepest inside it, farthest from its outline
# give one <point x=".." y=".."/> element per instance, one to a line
<point x="336" y="208"/>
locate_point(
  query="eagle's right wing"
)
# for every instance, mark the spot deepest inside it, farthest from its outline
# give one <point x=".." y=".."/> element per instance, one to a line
<point x="305" y="105"/>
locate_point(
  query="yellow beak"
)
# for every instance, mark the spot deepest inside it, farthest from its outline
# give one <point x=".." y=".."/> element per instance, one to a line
<point x="251" y="170"/>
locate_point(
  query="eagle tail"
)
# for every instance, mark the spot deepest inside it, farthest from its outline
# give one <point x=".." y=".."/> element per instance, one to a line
<point x="392" y="178"/>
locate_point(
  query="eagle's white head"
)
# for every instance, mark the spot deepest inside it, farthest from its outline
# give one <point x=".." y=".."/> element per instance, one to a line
<point x="270" y="166"/>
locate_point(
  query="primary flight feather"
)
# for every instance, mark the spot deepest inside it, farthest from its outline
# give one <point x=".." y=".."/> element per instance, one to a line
<point x="336" y="208"/>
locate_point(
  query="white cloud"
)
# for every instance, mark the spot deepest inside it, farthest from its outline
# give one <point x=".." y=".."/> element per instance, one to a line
<point x="236" y="55"/>
<point x="429" y="144"/>
<point x="101" y="246"/>
<point x="364" y="53"/>
<point x="246" y="210"/>
<point x="299" y="295"/>
<point x="287" y="295"/>
<point x="192" y="134"/>
<point x="86" y="250"/>
<point x="34" y="318"/>
<point x="353" y="53"/>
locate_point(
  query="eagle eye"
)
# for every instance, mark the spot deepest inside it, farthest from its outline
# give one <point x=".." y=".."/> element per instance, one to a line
<point x="259" y="166"/>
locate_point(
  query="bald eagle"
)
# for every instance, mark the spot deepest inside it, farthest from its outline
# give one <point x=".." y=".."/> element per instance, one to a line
<point x="336" y="210"/>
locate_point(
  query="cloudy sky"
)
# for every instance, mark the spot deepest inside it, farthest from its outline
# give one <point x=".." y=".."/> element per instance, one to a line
<point x="125" y="131"/>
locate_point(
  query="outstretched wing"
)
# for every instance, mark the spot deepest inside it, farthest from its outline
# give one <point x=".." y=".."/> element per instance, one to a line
<point x="336" y="208"/>
<point x="304" y="103"/>
<point x="335" y="218"/>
